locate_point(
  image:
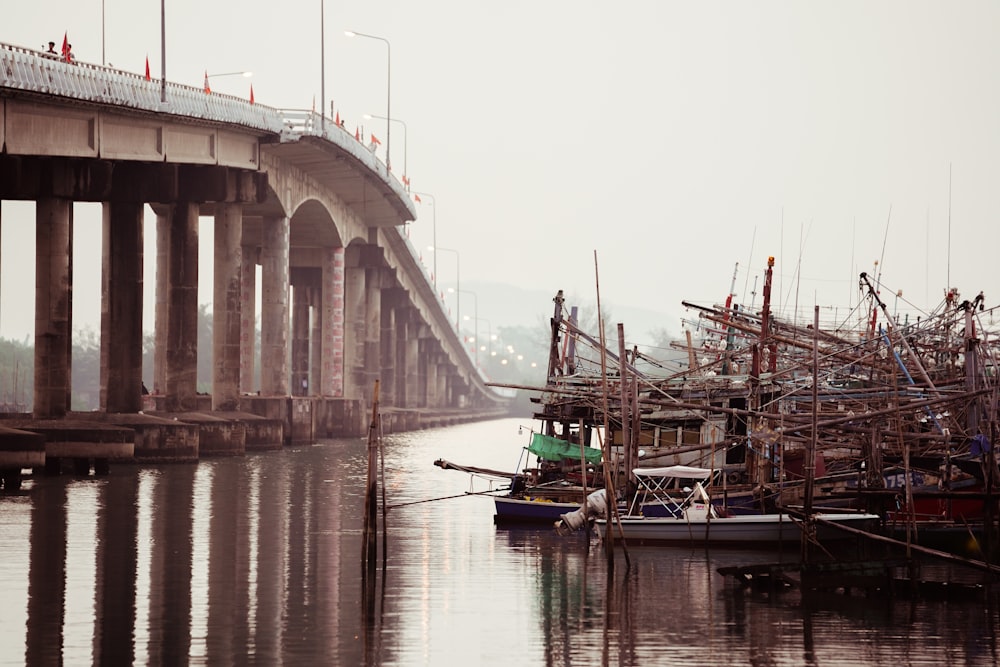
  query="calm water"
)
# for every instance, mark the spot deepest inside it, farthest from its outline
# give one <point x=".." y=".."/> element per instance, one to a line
<point x="257" y="560"/>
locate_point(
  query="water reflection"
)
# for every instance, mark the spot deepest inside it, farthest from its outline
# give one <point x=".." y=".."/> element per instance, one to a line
<point x="258" y="560"/>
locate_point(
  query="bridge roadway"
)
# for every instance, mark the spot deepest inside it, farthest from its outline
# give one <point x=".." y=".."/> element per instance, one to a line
<point x="344" y="301"/>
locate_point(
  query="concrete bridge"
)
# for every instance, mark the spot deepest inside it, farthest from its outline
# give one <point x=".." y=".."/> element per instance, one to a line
<point x="344" y="301"/>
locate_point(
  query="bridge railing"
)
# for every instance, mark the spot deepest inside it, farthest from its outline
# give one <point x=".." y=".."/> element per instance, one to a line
<point x="35" y="72"/>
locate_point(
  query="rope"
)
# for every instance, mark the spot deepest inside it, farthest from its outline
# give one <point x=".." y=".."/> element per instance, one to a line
<point x="431" y="500"/>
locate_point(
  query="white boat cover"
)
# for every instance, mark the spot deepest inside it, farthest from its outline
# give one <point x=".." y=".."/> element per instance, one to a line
<point x="684" y="472"/>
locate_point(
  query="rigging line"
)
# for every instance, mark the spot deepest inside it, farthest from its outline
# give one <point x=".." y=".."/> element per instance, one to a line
<point x="753" y="241"/>
<point x="885" y="240"/>
<point x="948" y="286"/>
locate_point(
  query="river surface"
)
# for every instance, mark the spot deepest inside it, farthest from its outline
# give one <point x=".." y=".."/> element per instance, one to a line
<point x="258" y="561"/>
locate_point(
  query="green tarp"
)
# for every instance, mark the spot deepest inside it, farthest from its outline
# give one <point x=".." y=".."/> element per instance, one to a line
<point x="554" y="449"/>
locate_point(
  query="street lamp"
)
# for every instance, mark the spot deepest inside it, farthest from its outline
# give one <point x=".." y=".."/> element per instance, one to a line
<point x="434" y="239"/>
<point x="458" y="281"/>
<point x="243" y="74"/>
<point x="388" y="86"/>
<point x="394" y="120"/>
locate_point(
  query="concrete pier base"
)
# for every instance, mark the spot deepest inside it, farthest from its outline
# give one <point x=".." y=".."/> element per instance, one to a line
<point x="303" y="430"/>
<point x="81" y="441"/>
<point x="341" y="417"/>
<point x="157" y="439"/>
<point x="262" y="434"/>
<point x="19" y="449"/>
<point x="217" y="436"/>
<point x="274" y="408"/>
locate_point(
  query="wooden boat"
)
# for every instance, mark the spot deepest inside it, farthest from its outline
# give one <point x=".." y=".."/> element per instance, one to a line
<point x="698" y="527"/>
<point x="694" y="520"/>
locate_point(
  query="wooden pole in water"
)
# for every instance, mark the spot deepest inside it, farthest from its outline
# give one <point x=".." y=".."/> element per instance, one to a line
<point x="809" y="464"/>
<point x="609" y="484"/>
<point x="371" y="493"/>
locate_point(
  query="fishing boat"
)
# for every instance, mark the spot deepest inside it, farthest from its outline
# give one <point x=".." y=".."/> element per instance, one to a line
<point x="694" y="520"/>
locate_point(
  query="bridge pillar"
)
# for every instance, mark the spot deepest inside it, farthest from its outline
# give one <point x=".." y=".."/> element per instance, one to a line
<point x="182" y="308"/>
<point x="332" y="296"/>
<point x="354" y="326"/>
<point x="53" y="306"/>
<point x="300" y="339"/>
<point x="274" y="308"/>
<point x="431" y="385"/>
<point x="388" y="338"/>
<point x="411" y="362"/>
<point x="162" y="292"/>
<point x="248" y="318"/>
<point x="121" y="310"/>
<point x="315" y="337"/>
<point x="227" y="320"/>
<point x="373" y="330"/>
<point x="443" y="393"/>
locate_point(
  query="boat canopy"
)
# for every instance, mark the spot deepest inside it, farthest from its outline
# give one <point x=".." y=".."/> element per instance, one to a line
<point x="684" y="472"/>
<point x="555" y="449"/>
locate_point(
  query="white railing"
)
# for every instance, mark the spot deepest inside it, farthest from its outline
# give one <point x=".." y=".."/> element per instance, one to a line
<point x="35" y="72"/>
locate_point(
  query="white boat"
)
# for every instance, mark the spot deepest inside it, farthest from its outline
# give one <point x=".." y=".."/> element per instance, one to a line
<point x="694" y="521"/>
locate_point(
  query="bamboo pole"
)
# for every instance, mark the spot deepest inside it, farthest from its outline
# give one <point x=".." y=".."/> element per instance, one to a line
<point x="609" y="486"/>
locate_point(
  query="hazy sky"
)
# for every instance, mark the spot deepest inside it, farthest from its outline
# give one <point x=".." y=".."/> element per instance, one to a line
<point x="674" y="138"/>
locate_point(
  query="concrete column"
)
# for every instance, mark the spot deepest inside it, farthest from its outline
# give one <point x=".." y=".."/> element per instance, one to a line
<point x="300" y="340"/>
<point x="227" y="307"/>
<point x="373" y="330"/>
<point x="162" y="292"/>
<point x="182" y="309"/>
<point x="274" y="308"/>
<point x="332" y="363"/>
<point x="443" y="392"/>
<point x="315" y="340"/>
<point x="248" y="319"/>
<point x="121" y="308"/>
<point x="387" y="337"/>
<point x="53" y="306"/>
<point x="431" y="386"/>
<point x="354" y="330"/>
<point x="411" y="366"/>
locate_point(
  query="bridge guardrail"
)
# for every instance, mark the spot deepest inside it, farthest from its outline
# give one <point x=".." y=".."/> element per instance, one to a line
<point x="33" y="71"/>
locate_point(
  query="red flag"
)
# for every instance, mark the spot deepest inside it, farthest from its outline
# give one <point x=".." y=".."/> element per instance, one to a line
<point x="357" y="135"/>
<point x="375" y="140"/>
<point x="65" y="47"/>
<point x="337" y="120"/>
<point x="416" y="198"/>
<point x="208" y="89"/>
<point x="147" y="68"/>
<point x="251" y="93"/>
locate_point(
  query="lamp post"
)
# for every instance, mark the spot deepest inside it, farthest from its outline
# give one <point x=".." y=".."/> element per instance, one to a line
<point x="163" y="51"/>
<point x="458" y="282"/>
<point x="394" y="120"/>
<point x="243" y="74"/>
<point x="322" y="68"/>
<point x="388" y="87"/>
<point x="434" y="238"/>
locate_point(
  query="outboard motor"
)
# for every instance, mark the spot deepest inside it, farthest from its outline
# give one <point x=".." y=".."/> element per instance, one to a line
<point x="517" y="485"/>
<point x="570" y="522"/>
